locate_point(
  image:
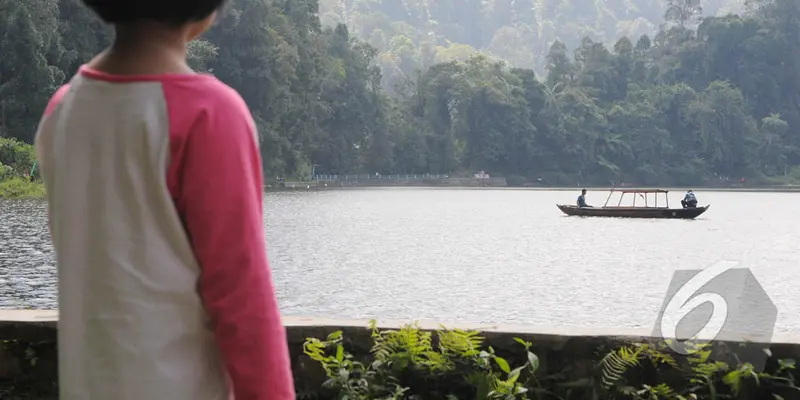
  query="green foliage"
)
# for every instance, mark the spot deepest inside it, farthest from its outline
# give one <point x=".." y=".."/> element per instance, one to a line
<point x="410" y="363"/>
<point x="30" y="39"/>
<point x="200" y="55"/>
<point x="407" y="363"/>
<point x="695" y="376"/>
<point x="613" y="99"/>
<point x="17" y="162"/>
<point x="413" y="35"/>
<point x="21" y="188"/>
<point x="17" y="157"/>
<point x="31" y="370"/>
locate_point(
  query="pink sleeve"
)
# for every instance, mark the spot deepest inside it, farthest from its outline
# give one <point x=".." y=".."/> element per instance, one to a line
<point x="56" y="99"/>
<point x="219" y="195"/>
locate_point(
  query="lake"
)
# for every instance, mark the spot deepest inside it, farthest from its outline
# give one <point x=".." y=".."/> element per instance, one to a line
<point x="473" y="255"/>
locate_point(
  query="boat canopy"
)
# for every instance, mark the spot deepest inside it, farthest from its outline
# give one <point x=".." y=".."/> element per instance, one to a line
<point x="640" y="190"/>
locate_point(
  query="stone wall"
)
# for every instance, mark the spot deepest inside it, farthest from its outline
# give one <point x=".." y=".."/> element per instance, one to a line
<point x="28" y="365"/>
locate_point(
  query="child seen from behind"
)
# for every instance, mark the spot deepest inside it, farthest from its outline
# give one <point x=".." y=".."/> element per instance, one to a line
<point x="154" y="187"/>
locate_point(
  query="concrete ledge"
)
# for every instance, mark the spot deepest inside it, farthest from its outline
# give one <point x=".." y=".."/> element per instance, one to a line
<point x="34" y="332"/>
<point x="17" y="319"/>
<point x="28" y="316"/>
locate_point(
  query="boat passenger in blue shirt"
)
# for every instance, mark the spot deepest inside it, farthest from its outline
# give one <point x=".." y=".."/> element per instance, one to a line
<point x="690" y="200"/>
<point x="582" y="199"/>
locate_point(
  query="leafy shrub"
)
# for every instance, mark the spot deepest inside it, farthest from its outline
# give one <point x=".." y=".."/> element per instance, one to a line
<point x="17" y="173"/>
<point x="6" y="172"/>
<point x="20" y="188"/>
<point x="35" y="372"/>
<point x="19" y="156"/>
<point x="406" y="363"/>
<point x="455" y="365"/>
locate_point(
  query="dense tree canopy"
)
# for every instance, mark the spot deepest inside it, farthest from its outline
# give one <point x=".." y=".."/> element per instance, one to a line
<point x="414" y="34"/>
<point x="697" y="101"/>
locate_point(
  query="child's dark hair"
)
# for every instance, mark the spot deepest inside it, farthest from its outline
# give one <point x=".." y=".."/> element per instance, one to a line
<point x="171" y="12"/>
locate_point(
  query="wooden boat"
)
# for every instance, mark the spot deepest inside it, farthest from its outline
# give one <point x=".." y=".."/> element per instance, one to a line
<point x="634" y="211"/>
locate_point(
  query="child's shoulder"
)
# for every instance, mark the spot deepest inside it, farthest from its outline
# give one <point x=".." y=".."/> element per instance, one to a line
<point x="182" y="92"/>
<point x="206" y="104"/>
<point x="206" y="92"/>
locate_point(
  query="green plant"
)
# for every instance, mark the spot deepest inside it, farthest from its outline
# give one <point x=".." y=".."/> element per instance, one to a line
<point x="18" y="175"/>
<point x="30" y="370"/>
<point x="409" y="363"/>
<point x="413" y="364"/>
<point x="18" y="156"/>
<point x="695" y="376"/>
<point x="20" y="188"/>
<point x="5" y="171"/>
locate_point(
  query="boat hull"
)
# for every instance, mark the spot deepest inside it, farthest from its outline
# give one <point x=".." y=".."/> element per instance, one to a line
<point x="633" y="212"/>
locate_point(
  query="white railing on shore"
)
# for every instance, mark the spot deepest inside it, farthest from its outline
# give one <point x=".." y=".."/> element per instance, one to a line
<point x="395" y="177"/>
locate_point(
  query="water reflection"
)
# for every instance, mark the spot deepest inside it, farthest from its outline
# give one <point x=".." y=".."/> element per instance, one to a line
<point x="471" y="255"/>
<point x="28" y="276"/>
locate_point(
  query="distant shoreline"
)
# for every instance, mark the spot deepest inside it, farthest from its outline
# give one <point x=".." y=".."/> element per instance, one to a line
<point x="305" y="186"/>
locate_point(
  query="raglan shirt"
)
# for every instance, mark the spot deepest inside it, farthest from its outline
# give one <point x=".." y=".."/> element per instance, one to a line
<point x="154" y="191"/>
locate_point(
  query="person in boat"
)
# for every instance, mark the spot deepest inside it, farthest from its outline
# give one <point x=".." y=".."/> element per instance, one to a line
<point x="690" y="200"/>
<point x="582" y="199"/>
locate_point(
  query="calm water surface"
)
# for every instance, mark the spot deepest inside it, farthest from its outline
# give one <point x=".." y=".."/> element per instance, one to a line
<point x="473" y="255"/>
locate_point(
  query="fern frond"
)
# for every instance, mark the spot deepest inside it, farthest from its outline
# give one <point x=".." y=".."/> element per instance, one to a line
<point x="407" y="345"/>
<point x="663" y="390"/>
<point x="459" y="342"/>
<point x="616" y="363"/>
<point x="657" y="356"/>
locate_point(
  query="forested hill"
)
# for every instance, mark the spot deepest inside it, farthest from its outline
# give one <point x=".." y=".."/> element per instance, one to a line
<point x="414" y="34"/>
<point x="699" y="102"/>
